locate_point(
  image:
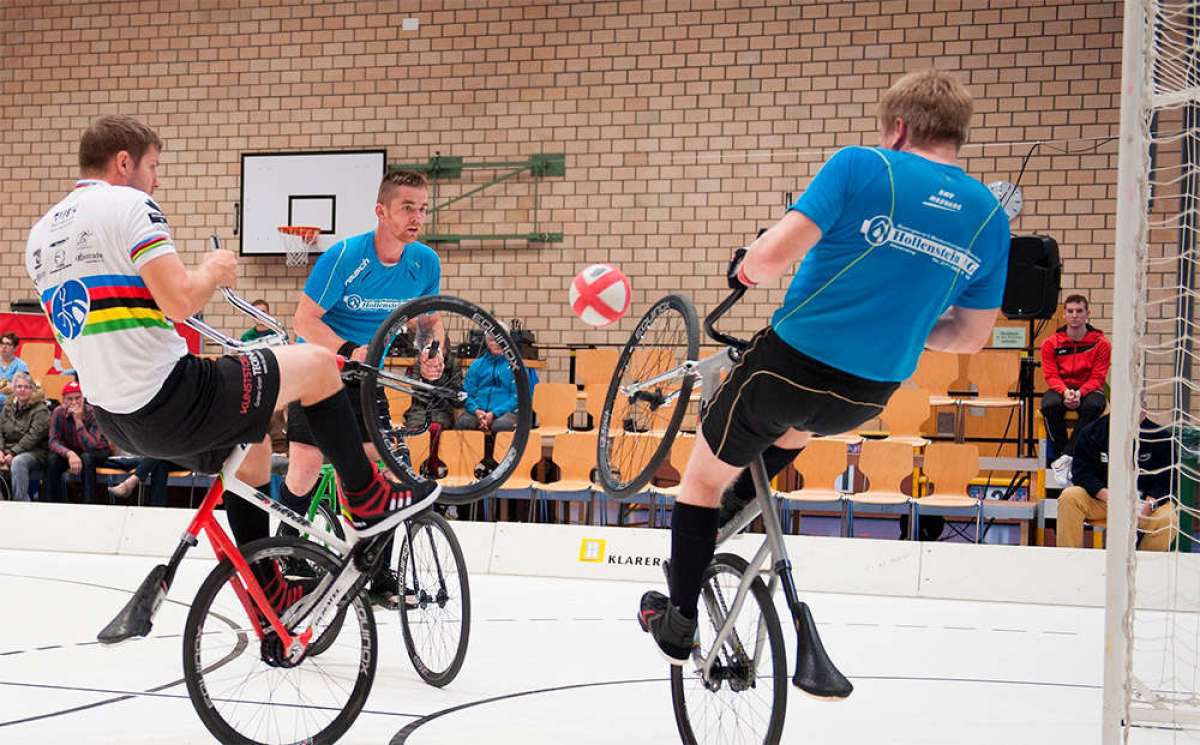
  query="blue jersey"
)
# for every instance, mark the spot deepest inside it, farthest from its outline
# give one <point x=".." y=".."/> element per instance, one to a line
<point x="903" y="238"/>
<point x="358" y="291"/>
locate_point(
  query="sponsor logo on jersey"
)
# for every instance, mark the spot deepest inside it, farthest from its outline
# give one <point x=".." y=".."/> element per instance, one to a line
<point x="69" y="307"/>
<point x="59" y="257"/>
<point x="37" y="259"/>
<point x="368" y="305"/>
<point x="943" y="200"/>
<point x="157" y="218"/>
<point x="357" y="271"/>
<point x="63" y="217"/>
<point x="95" y="257"/>
<point x="880" y="230"/>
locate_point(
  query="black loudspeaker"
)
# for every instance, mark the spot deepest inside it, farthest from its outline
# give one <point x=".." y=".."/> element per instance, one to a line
<point x="1034" y="278"/>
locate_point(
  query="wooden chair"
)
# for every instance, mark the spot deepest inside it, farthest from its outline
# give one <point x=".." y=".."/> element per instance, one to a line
<point x="398" y="403"/>
<point x="575" y="456"/>
<point x="595" y="366"/>
<point x="555" y="404"/>
<point x="522" y="476"/>
<point x="822" y="462"/>
<point x="949" y="468"/>
<point x="995" y="373"/>
<point x="845" y="439"/>
<point x="904" y="414"/>
<point x="681" y="452"/>
<point x="39" y="355"/>
<point x="935" y="372"/>
<point x="886" y="465"/>
<point x="656" y="498"/>
<point x="418" y="450"/>
<point x="595" y="405"/>
<point x="519" y="485"/>
<point x="461" y="450"/>
<point x="53" y="385"/>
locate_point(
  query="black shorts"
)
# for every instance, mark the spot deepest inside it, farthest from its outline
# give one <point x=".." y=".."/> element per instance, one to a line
<point x="774" y="388"/>
<point x="298" y="429"/>
<point x="204" y="409"/>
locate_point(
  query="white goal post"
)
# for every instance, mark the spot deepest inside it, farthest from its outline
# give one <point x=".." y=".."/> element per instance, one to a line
<point x="1152" y="605"/>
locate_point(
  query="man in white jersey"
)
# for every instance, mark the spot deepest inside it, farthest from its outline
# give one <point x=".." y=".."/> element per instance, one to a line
<point x="109" y="279"/>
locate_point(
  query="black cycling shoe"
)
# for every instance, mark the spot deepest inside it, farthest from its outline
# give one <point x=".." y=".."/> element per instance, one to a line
<point x="385" y="590"/>
<point x="674" y="633"/>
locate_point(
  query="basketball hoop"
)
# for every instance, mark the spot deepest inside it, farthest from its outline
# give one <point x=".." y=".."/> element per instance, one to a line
<point x="297" y="240"/>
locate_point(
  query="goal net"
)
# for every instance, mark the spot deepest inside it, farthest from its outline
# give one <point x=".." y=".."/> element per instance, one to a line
<point x="1152" y="609"/>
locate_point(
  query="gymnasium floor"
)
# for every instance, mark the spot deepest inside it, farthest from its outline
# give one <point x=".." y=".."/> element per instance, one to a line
<point x="558" y="661"/>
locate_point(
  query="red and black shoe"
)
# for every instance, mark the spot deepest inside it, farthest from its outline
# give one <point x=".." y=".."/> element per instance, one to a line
<point x="384" y="504"/>
<point x="673" y="632"/>
<point x="282" y="593"/>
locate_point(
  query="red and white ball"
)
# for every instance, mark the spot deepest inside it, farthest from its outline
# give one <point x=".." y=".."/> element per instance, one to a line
<point x="600" y="294"/>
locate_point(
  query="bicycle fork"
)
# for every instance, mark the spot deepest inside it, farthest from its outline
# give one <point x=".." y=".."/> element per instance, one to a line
<point x="815" y="673"/>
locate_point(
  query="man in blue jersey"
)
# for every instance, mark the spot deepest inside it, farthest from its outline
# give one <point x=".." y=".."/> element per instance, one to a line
<point x="900" y="250"/>
<point x="350" y="292"/>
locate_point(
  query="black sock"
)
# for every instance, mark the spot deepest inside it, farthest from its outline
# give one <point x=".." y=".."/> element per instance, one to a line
<point x="336" y="431"/>
<point x="775" y="459"/>
<point x="297" y="504"/>
<point x="246" y="521"/>
<point x="693" y="541"/>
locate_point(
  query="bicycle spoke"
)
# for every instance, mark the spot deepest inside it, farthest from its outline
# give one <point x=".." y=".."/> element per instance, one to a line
<point x="258" y="693"/>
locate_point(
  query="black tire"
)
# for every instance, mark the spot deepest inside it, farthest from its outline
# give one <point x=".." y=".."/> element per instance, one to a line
<point x="227" y="678"/>
<point x="441" y="611"/>
<point x="395" y="438"/>
<point x="328" y="519"/>
<point x="667" y="335"/>
<point x="686" y="683"/>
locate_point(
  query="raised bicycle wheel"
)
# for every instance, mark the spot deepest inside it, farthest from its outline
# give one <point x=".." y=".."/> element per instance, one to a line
<point x="745" y="698"/>
<point x="637" y="427"/>
<point x="244" y="689"/>
<point x="405" y="408"/>
<point x="436" y="610"/>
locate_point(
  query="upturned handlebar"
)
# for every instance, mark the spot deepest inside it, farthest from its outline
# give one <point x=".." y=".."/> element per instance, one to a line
<point x="711" y="319"/>
<point x="278" y="333"/>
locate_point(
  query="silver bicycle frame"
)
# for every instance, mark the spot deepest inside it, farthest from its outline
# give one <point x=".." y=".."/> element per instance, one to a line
<point x="706" y="371"/>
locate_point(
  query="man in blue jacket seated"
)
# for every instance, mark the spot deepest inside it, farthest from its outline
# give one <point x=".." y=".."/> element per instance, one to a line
<point x="491" y="393"/>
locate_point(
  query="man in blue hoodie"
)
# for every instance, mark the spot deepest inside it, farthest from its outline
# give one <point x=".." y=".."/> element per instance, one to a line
<point x="491" y="393"/>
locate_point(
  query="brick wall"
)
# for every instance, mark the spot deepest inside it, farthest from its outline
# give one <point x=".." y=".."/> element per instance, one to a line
<point x="685" y="124"/>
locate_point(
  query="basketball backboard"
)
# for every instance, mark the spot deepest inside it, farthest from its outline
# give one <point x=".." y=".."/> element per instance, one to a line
<point x="333" y="190"/>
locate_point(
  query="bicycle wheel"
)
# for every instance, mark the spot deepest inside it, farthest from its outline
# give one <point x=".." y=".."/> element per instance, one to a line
<point x="436" y="612"/>
<point x="242" y="688"/>
<point x="745" y="699"/>
<point x="637" y="428"/>
<point x="410" y="414"/>
<point x="326" y="519"/>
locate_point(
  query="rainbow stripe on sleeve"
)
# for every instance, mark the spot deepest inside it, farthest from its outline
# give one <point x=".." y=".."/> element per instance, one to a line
<point x="117" y="302"/>
<point x="149" y="244"/>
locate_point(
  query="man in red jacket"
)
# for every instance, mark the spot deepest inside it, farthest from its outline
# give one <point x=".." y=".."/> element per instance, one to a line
<point x="1075" y="361"/>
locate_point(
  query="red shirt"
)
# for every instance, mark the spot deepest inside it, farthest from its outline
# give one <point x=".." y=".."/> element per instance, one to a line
<point x="1082" y="365"/>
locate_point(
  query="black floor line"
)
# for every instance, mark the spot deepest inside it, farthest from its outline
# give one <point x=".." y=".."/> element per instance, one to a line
<point x="151" y="693"/>
<point x="401" y="737"/>
<point x="84" y="707"/>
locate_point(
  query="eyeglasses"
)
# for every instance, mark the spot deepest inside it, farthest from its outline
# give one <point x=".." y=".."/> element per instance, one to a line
<point x="7" y="344"/>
